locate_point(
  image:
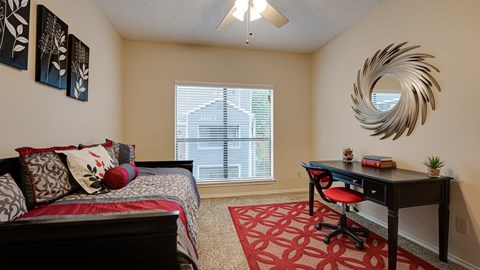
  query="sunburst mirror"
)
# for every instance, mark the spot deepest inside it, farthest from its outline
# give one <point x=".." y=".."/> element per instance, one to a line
<point x="391" y="89"/>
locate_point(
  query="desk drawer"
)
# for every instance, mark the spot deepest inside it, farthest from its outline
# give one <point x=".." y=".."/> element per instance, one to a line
<point x="375" y="191"/>
<point x="357" y="181"/>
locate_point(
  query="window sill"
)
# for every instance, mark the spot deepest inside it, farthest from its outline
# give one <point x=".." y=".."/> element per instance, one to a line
<point x="226" y="183"/>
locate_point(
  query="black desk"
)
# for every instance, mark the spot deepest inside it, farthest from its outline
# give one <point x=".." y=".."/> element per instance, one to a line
<point x="395" y="189"/>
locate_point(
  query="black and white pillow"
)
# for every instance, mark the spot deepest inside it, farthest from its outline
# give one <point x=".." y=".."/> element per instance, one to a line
<point x="12" y="201"/>
<point x="44" y="176"/>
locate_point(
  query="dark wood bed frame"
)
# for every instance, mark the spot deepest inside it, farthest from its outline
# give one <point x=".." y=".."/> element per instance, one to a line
<point x="130" y="241"/>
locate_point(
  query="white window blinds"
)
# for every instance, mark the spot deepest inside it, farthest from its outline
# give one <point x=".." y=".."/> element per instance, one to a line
<point x="226" y="130"/>
<point x="385" y="101"/>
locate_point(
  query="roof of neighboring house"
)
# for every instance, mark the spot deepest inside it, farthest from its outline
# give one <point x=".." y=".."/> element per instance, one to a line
<point x="216" y="100"/>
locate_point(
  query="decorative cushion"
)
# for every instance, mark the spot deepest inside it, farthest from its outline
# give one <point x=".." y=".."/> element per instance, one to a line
<point x="12" y="201"/>
<point x="44" y="175"/>
<point x="127" y="153"/>
<point x="88" y="166"/>
<point x="120" y="176"/>
<point x="344" y="195"/>
<point x="112" y="148"/>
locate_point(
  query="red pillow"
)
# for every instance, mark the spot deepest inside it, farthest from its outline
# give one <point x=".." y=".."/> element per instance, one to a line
<point x="118" y="177"/>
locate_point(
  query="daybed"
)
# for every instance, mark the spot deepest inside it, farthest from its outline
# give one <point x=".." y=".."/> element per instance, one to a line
<point x="148" y="224"/>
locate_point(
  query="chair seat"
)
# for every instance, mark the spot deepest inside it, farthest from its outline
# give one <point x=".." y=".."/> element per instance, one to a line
<point x="343" y="195"/>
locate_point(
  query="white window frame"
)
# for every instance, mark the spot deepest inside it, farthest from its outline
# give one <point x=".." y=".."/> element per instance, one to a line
<point x="267" y="179"/>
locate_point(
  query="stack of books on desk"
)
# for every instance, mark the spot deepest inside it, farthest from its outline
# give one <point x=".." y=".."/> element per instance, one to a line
<point x="377" y="161"/>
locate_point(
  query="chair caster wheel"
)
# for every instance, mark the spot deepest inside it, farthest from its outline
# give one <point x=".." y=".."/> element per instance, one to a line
<point x="359" y="246"/>
<point x="318" y="226"/>
<point x="366" y="234"/>
<point x="326" y="240"/>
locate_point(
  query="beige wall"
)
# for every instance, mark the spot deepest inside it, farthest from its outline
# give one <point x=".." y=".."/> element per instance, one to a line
<point x="152" y="68"/>
<point x="139" y="108"/>
<point x="37" y="115"/>
<point x="449" y="31"/>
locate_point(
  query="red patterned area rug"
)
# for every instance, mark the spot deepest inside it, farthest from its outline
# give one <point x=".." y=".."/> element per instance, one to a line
<point x="283" y="236"/>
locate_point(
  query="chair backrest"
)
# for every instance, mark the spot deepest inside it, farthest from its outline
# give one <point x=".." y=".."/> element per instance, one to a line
<point x="318" y="174"/>
<point x="321" y="179"/>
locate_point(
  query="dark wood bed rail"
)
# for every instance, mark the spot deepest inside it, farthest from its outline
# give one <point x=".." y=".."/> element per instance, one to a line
<point x="123" y="241"/>
<point x="133" y="241"/>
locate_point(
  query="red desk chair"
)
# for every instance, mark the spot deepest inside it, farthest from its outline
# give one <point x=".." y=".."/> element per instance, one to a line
<point x="322" y="180"/>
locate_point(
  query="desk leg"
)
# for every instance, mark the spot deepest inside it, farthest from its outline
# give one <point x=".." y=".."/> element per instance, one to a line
<point x="443" y="219"/>
<point x="392" y="238"/>
<point x="310" y="198"/>
<point x="443" y="222"/>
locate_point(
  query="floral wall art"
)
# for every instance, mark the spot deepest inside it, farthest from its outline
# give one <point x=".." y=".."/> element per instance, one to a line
<point x="14" y="26"/>
<point x="78" y="69"/>
<point x="51" y="58"/>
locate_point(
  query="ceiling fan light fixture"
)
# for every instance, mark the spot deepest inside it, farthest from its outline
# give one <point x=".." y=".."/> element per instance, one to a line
<point x="255" y="7"/>
<point x="254" y="14"/>
<point x="241" y="5"/>
<point x="260" y="5"/>
<point x="239" y="15"/>
<point x="253" y="10"/>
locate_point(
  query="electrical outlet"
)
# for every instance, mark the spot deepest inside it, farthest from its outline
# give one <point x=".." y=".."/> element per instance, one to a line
<point x="461" y="225"/>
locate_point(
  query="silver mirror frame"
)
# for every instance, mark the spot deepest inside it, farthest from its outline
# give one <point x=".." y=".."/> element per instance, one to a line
<point x="414" y="75"/>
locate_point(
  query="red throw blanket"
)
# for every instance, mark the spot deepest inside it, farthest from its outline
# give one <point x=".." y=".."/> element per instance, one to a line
<point x="66" y="210"/>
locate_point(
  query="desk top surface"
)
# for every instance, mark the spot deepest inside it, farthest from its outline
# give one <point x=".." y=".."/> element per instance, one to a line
<point x="393" y="175"/>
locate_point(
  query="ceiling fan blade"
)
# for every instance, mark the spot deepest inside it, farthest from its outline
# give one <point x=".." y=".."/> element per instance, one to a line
<point x="226" y="20"/>
<point x="274" y="16"/>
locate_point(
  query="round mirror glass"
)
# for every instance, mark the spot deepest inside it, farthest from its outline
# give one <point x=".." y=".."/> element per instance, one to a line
<point x="386" y="93"/>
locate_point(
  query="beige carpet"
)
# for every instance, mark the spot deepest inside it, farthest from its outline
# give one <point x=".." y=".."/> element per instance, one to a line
<point x="220" y="249"/>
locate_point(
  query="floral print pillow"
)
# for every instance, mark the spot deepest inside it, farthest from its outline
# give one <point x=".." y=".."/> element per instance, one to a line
<point x="88" y="166"/>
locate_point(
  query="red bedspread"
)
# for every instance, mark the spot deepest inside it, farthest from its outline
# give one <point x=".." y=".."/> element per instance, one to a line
<point x="98" y="208"/>
<point x="66" y="210"/>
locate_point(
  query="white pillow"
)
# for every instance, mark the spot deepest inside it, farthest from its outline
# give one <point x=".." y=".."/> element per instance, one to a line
<point x="88" y="166"/>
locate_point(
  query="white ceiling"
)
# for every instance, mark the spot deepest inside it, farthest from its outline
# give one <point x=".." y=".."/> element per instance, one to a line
<point x="312" y="22"/>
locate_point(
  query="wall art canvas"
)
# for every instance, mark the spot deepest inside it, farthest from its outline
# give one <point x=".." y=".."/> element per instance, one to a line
<point x="14" y="30"/>
<point x="78" y="55"/>
<point x="51" y="58"/>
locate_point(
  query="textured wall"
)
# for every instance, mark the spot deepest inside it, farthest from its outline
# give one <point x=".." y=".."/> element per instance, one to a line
<point x="152" y="68"/>
<point x="37" y="115"/>
<point x="449" y="31"/>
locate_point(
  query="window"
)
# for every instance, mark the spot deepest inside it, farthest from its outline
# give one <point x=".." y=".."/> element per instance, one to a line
<point x="207" y="172"/>
<point x="225" y="129"/>
<point x="215" y="134"/>
<point x="385" y="101"/>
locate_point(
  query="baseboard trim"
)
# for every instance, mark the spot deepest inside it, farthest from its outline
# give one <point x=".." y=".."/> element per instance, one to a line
<point x="250" y="193"/>
<point x="428" y="246"/>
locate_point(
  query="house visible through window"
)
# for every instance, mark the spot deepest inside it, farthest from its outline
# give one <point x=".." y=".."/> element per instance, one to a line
<point x="215" y="134"/>
<point x="226" y="130"/>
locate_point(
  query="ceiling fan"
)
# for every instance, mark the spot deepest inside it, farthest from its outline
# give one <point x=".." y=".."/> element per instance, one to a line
<point x="251" y="10"/>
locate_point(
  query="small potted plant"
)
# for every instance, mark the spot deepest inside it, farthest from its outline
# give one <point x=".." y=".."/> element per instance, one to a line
<point x="433" y="163"/>
<point x="347" y="154"/>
